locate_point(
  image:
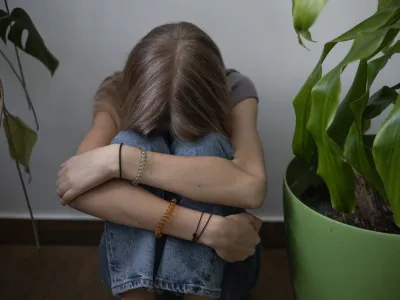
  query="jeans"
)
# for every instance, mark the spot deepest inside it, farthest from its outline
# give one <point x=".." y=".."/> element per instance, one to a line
<point x="133" y="258"/>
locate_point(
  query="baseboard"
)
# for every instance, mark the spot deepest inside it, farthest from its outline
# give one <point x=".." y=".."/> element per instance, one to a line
<point x="88" y="232"/>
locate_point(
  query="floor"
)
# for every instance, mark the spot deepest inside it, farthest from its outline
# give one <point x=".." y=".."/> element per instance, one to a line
<point x="70" y="273"/>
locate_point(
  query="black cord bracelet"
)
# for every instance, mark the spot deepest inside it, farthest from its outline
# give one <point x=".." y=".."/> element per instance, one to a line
<point x="120" y="160"/>
<point x="204" y="228"/>
<point x="197" y="228"/>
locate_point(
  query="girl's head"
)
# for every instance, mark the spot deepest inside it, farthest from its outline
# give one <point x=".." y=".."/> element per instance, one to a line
<point x="173" y="81"/>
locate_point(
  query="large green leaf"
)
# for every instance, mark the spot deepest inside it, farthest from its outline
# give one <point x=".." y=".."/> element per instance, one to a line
<point x="343" y="118"/>
<point x="305" y="13"/>
<point x="338" y="174"/>
<point x="378" y="20"/>
<point x="386" y="153"/>
<point x="352" y="107"/>
<point x="384" y="3"/>
<point x="376" y="41"/>
<point x="16" y="23"/>
<point x="301" y="175"/>
<point x="21" y="139"/>
<point x="303" y="143"/>
<point x="355" y="151"/>
<point x="379" y="101"/>
<point x="360" y="158"/>
<point x="376" y="65"/>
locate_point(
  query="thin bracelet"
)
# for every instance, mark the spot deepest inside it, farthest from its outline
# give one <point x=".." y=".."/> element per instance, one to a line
<point x="197" y="228"/>
<point x="142" y="166"/>
<point x="198" y="237"/>
<point x="120" y="160"/>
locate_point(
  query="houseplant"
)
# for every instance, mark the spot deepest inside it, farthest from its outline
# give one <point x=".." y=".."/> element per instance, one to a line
<point x="20" y="137"/>
<point x="342" y="191"/>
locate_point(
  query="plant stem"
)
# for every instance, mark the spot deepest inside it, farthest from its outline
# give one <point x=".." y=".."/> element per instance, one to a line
<point x="11" y="66"/>
<point x="22" y="78"/>
<point x="22" y="84"/>
<point x="21" y="179"/>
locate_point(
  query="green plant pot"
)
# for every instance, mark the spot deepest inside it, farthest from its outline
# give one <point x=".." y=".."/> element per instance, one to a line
<point x="333" y="261"/>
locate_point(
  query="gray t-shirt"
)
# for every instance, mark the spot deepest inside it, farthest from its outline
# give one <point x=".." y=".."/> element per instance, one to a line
<point x="240" y="86"/>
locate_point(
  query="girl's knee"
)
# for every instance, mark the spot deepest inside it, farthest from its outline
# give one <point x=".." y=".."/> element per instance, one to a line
<point x="211" y="144"/>
<point x="156" y="143"/>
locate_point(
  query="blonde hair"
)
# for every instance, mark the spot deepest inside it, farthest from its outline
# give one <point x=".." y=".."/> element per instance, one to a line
<point x="173" y="81"/>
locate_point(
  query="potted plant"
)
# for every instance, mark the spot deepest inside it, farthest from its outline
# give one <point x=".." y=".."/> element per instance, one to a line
<point x="342" y="190"/>
<point x="20" y="137"/>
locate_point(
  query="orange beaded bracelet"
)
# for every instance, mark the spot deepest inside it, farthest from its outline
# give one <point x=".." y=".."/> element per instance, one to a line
<point x="165" y="218"/>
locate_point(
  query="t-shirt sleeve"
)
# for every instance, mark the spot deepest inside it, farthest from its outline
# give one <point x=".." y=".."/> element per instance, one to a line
<point x="241" y="87"/>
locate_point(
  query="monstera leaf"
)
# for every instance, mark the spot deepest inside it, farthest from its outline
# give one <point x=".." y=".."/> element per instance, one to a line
<point x="12" y="27"/>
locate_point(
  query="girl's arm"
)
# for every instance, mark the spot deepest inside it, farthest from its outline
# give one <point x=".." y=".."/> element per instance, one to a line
<point x="240" y="183"/>
<point x="234" y="237"/>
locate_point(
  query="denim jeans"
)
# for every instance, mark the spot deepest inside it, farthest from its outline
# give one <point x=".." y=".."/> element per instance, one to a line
<point x="133" y="258"/>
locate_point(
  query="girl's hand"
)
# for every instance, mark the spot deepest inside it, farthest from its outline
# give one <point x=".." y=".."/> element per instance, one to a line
<point x="83" y="172"/>
<point x="235" y="237"/>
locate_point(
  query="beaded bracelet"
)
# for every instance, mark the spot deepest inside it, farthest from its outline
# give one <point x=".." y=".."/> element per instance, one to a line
<point x="142" y="166"/>
<point x="165" y="218"/>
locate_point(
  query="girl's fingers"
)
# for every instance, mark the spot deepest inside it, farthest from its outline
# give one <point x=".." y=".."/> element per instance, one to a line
<point x="61" y="171"/>
<point x="59" y="181"/>
<point x="61" y="189"/>
<point x="68" y="197"/>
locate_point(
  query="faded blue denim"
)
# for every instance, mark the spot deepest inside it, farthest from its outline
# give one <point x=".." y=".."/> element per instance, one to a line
<point x="132" y="258"/>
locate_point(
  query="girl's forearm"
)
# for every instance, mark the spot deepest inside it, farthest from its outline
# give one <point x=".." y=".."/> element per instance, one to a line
<point x="119" y="202"/>
<point x="205" y="179"/>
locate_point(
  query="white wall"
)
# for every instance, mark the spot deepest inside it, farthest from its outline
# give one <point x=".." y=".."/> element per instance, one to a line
<point x="92" y="38"/>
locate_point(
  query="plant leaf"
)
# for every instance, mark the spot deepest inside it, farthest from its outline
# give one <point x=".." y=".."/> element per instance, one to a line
<point x="5" y="21"/>
<point x="366" y="125"/>
<point x="305" y="13"/>
<point x="386" y="153"/>
<point x="337" y="174"/>
<point x="343" y="118"/>
<point x="376" y="65"/>
<point x="384" y="3"/>
<point x="360" y="157"/>
<point x="302" y="175"/>
<point x="379" y="101"/>
<point x="35" y="46"/>
<point x="354" y="150"/>
<point x="21" y="141"/>
<point x="303" y="143"/>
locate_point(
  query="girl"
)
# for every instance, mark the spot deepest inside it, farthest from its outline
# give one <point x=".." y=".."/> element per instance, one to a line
<point x="188" y="136"/>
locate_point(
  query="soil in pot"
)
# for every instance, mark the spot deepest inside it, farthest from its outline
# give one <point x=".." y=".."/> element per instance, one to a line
<point x="371" y="213"/>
